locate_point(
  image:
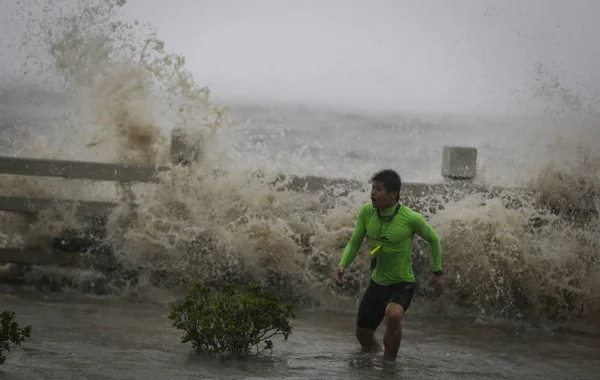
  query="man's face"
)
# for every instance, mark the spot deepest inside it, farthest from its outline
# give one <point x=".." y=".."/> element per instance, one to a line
<point x="380" y="197"/>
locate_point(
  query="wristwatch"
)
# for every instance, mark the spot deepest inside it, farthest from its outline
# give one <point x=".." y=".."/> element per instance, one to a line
<point x="438" y="273"/>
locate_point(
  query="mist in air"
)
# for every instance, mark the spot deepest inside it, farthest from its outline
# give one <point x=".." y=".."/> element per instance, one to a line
<point x="458" y="57"/>
<point x="427" y="56"/>
<point x="381" y="59"/>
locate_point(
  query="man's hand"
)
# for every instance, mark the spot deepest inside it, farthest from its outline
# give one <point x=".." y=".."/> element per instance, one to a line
<point x="436" y="281"/>
<point x="338" y="275"/>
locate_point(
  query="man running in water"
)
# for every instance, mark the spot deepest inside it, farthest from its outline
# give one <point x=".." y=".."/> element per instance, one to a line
<point x="390" y="227"/>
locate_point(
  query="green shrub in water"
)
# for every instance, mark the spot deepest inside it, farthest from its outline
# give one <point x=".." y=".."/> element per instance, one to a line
<point x="231" y="319"/>
<point x="10" y="332"/>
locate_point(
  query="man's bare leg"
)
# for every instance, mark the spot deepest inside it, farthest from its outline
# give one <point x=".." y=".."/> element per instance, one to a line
<point x="366" y="338"/>
<point x="393" y="330"/>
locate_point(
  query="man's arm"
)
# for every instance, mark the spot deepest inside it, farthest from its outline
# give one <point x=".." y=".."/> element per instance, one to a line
<point x="424" y="230"/>
<point x="360" y="230"/>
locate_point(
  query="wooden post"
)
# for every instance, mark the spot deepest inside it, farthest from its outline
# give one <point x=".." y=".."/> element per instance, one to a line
<point x="186" y="147"/>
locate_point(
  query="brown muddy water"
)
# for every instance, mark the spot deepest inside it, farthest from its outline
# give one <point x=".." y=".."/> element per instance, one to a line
<point x="88" y="337"/>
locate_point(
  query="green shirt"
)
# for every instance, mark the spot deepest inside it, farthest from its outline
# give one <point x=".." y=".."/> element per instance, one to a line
<point x="394" y="258"/>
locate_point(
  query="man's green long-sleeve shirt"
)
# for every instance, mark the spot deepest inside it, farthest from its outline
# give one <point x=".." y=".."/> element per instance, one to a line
<point x="394" y="258"/>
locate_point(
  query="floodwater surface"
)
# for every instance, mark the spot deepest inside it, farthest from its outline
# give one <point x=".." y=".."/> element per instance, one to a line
<point x="85" y="337"/>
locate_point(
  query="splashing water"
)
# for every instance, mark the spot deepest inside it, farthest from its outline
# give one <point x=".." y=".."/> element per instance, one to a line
<point x="519" y="253"/>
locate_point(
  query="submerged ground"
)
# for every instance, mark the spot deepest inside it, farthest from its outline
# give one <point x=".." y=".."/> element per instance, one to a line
<point x="83" y="337"/>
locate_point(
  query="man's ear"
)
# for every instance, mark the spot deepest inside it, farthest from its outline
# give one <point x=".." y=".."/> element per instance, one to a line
<point x="394" y="194"/>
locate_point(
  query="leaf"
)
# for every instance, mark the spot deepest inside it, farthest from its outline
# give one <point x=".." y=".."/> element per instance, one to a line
<point x="231" y="319"/>
<point x="10" y="332"/>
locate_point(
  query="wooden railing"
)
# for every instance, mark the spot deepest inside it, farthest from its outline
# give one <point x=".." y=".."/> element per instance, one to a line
<point x="50" y="254"/>
<point x="64" y="254"/>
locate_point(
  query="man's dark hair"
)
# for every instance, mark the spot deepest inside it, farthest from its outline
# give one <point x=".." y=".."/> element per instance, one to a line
<point x="390" y="179"/>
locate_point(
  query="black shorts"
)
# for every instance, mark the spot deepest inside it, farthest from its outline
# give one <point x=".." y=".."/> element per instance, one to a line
<point x="376" y="298"/>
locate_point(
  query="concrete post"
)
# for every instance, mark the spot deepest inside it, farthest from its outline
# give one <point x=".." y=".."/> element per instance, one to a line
<point x="459" y="163"/>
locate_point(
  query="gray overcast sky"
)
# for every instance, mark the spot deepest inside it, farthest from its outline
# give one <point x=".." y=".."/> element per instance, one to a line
<point x="454" y="55"/>
<point x="446" y="55"/>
